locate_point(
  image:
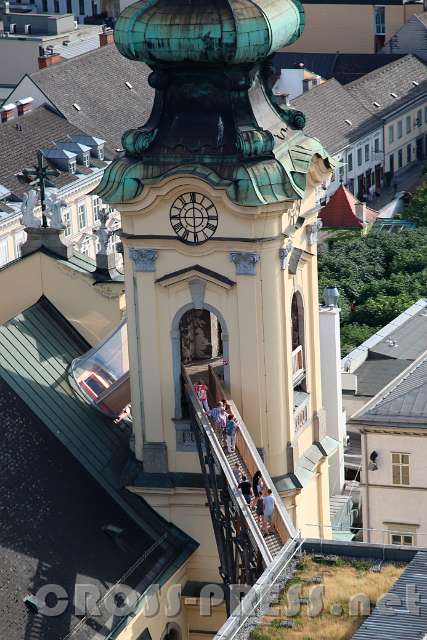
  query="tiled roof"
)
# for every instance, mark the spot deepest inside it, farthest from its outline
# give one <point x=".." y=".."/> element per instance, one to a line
<point x="344" y="67"/>
<point x="340" y="211"/>
<point x="18" y="149"/>
<point x="327" y="107"/>
<point x="397" y="78"/>
<point x="96" y="82"/>
<point x="395" y="617"/>
<point x="403" y="400"/>
<point x="77" y="47"/>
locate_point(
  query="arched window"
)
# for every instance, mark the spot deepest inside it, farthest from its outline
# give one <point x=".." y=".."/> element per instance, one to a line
<point x="297" y="319"/>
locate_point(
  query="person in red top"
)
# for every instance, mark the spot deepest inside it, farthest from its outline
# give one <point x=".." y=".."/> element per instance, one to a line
<point x="201" y="391"/>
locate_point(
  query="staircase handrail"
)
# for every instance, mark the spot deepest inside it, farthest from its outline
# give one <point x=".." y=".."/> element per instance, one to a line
<point x="201" y="418"/>
<point x="281" y="515"/>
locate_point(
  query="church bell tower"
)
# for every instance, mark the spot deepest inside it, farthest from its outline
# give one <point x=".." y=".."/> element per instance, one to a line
<point x="217" y="193"/>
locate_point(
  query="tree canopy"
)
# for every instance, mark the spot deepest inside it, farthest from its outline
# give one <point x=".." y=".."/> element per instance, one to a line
<point x="378" y="277"/>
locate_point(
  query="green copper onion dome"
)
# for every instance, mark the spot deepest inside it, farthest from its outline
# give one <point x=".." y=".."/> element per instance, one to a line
<point x="203" y="31"/>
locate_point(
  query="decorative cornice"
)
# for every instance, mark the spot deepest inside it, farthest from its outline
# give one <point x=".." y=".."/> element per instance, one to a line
<point x="144" y="259"/>
<point x="284" y="254"/>
<point x="245" y="262"/>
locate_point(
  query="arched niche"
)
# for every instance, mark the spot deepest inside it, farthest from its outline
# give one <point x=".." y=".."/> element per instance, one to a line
<point x="176" y="350"/>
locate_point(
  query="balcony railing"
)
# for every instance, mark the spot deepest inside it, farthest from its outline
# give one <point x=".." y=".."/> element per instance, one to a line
<point x="301" y="416"/>
<point x="298" y="371"/>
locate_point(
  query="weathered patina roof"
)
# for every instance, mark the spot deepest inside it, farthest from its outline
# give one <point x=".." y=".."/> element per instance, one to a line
<point x="231" y="31"/>
<point x="214" y="115"/>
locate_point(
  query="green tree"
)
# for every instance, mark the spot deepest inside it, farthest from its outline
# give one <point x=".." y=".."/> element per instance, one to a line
<point x="417" y="209"/>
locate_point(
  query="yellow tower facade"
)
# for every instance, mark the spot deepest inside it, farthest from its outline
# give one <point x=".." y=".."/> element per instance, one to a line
<point x="217" y="193"/>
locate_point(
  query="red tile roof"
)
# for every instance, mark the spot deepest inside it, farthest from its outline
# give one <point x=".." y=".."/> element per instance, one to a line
<point x="340" y="212"/>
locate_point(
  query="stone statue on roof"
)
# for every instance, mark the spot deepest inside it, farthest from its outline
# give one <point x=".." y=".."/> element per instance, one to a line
<point x="54" y="205"/>
<point x="29" y="203"/>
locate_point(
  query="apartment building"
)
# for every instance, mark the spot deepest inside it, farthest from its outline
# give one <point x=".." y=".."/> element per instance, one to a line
<point x="359" y="26"/>
<point x="77" y="157"/>
<point x="397" y="94"/>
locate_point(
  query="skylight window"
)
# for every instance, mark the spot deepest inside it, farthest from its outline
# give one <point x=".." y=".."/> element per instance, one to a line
<point x="76" y="106"/>
<point x="349" y="122"/>
<point x="415" y="83"/>
<point x="393" y="95"/>
<point x="129" y="85"/>
<point x="376" y="105"/>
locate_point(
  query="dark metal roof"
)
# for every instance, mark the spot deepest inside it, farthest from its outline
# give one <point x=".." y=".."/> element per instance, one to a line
<point x="36" y="349"/>
<point x="51" y="525"/>
<point x="374" y="375"/>
<point x="404" y="400"/>
<point x="397" y="618"/>
<point x="344" y="67"/>
<point x="96" y="82"/>
<point x="329" y="124"/>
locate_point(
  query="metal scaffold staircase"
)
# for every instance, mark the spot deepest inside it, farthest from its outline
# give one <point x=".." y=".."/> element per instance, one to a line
<point x="244" y="552"/>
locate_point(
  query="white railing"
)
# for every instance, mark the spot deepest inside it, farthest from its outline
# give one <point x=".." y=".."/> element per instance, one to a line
<point x="301" y="416"/>
<point x="297" y="364"/>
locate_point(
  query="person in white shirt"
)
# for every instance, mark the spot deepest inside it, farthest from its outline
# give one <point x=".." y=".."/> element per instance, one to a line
<point x="268" y="503"/>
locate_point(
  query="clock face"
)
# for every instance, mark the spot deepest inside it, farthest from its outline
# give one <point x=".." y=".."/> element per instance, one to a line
<point x="193" y="217"/>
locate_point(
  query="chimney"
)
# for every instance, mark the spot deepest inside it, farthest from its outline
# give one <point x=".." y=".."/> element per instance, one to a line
<point x="25" y="105"/>
<point x="48" y="59"/>
<point x="106" y="37"/>
<point x="8" y="112"/>
<point x="360" y="210"/>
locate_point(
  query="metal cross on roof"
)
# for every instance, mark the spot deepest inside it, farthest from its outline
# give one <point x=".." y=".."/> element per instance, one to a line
<point x="39" y="175"/>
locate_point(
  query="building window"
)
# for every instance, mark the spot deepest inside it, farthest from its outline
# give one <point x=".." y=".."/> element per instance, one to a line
<point x="72" y="166"/>
<point x="86" y="159"/>
<point x="419" y="118"/>
<point x="66" y="219"/>
<point x="400" y="468"/>
<point x="400" y="129"/>
<point x="425" y="114"/>
<point x="408" y="124"/>
<point x="351" y="185"/>
<point x="366" y="152"/>
<point x="56" y="6"/>
<point x="82" y="216"/>
<point x="44" y="6"/>
<point x="19" y="241"/>
<point x="100" y="153"/>
<point x="392" y="163"/>
<point x="379" y="14"/>
<point x="69" y="6"/>
<point x="359" y="158"/>
<point x="4" y="251"/>
<point x="377" y="145"/>
<point x="82" y="7"/>
<point x="406" y="539"/>
<point x="409" y="153"/>
<point x="400" y="159"/>
<point x="96" y="205"/>
<point x="350" y="162"/>
<point x="391" y="134"/>
<point x="84" y="246"/>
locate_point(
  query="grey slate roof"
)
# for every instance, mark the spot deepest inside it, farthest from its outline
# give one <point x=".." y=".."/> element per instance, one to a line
<point x="51" y="525"/>
<point x="374" y="375"/>
<point x="404" y="400"/>
<point x="327" y="107"/>
<point x="344" y="67"/>
<point x="18" y="149"/>
<point x="96" y="82"/>
<point x="396" y="77"/>
<point x="398" y="619"/>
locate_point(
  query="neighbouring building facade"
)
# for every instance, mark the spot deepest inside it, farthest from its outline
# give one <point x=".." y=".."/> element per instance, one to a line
<point x="393" y="437"/>
<point x="353" y="135"/>
<point x="397" y="94"/>
<point x="79" y="160"/>
<point x="358" y="26"/>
